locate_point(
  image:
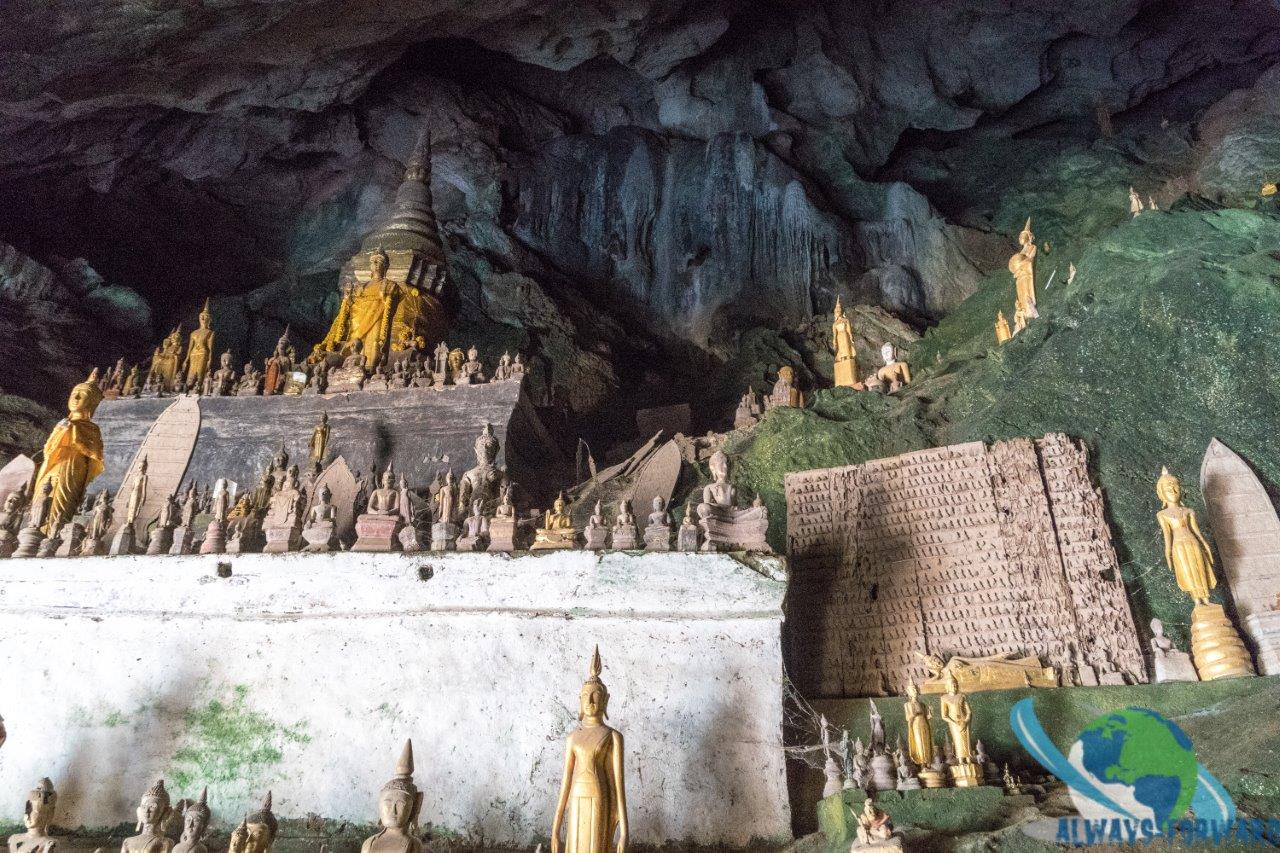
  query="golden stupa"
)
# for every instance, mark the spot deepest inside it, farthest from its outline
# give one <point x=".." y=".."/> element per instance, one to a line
<point x="397" y="279"/>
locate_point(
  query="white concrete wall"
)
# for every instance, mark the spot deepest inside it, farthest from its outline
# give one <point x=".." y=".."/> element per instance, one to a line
<point x="305" y="674"/>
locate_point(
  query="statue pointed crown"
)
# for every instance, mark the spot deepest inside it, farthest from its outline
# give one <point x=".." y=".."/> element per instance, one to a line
<point x="158" y="792"/>
<point x="200" y="806"/>
<point x="594" y="669"/>
<point x="265" y="816"/>
<point x="1166" y="479"/>
<point x="403" y="780"/>
<point x="487" y="443"/>
<point x="91" y="389"/>
<point x="204" y="312"/>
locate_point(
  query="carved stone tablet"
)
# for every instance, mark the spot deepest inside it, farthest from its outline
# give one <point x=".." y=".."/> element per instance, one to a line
<point x="657" y="479"/>
<point x="16" y="474"/>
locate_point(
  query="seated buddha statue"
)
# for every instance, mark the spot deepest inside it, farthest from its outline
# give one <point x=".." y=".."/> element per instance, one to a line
<point x="375" y="313"/>
<point x="557" y="531"/>
<point x="351" y="372"/>
<point x="625" y="534"/>
<point x="378" y="528"/>
<point x="322" y="520"/>
<point x="166" y="360"/>
<point x="153" y="812"/>
<point x="895" y="373"/>
<point x="657" y="533"/>
<point x="725" y="527"/>
<point x="785" y="393"/>
<point x="472" y="370"/>
<point x="224" y="378"/>
<point x="486" y="479"/>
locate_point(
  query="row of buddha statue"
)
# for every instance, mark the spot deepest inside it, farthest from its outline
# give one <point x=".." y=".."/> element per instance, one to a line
<point x="920" y="762"/>
<point x="590" y="814"/>
<point x="283" y="373"/>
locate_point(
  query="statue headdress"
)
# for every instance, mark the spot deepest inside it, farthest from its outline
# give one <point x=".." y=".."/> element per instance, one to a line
<point x="91" y="389"/>
<point x="204" y="312"/>
<point x="1166" y="479"/>
<point x="487" y="442"/>
<point x="264" y="816"/>
<point x="403" y="782"/>
<point x="593" y="680"/>
<point x="200" y="806"/>
<point x="43" y="794"/>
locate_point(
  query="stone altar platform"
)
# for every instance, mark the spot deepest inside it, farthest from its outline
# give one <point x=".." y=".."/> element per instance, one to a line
<point x="305" y="673"/>
<point x="420" y="430"/>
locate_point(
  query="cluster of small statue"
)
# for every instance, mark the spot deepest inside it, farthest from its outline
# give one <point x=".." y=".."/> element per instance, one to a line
<point x="592" y="797"/>
<point x="334" y="367"/>
<point x="921" y="762"/>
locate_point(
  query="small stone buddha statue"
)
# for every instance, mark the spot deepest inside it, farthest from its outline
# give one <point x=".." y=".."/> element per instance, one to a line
<point x="593" y="794"/>
<point x="1003" y="333"/>
<point x="874" y="826"/>
<point x="153" y="813"/>
<point x="195" y="823"/>
<point x="502" y="372"/>
<point x="724" y="526"/>
<point x="595" y="535"/>
<point x="895" y="373"/>
<point x="657" y="533"/>
<point x="486" y="479"/>
<point x="257" y="832"/>
<point x="502" y="527"/>
<point x="37" y="817"/>
<point x="72" y="453"/>
<point x="472" y="372"/>
<point x="785" y="393"/>
<point x="31" y="535"/>
<point x="687" y="535"/>
<point x="399" y="804"/>
<point x="379" y="527"/>
<point x="224" y="378"/>
<point x="320" y="532"/>
<point x="557" y="530"/>
<point x="11" y="522"/>
<point x="625" y="534"/>
<point x="475" y="528"/>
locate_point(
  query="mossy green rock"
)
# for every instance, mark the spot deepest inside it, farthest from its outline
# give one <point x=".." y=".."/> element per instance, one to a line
<point x="1163" y="341"/>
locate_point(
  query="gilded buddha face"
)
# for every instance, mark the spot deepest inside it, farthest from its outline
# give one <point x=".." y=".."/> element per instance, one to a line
<point x="152" y="811"/>
<point x="378" y="265"/>
<point x="913" y="692"/>
<point x="194" y="823"/>
<point x="1170" y="491"/>
<point x="593" y="701"/>
<point x="953" y="686"/>
<point x="395" y="809"/>
<point x="83" y="401"/>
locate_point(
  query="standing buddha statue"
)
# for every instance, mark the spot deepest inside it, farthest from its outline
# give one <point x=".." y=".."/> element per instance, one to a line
<point x="319" y="441"/>
<point x="166" y="360"/>
<point x="199" y="351"/>
<point x="1023" y="267"/>
<point x="958" y="716"/>
<point x="919" y="732"/>
<point x="1216" y="647"/>
<point x="72" y="453"/>
<point x="592" y="788"/>
<point x="398" y="806"/>
<point x="846" y="367"/>
<point x="1003" y="333"/>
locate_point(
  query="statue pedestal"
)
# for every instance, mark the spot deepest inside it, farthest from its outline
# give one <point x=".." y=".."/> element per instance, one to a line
<point x="321" y="538"/>
<point x="1216" y="648"/>
<point x="215" y="538"/>
<point x="409" y="541"/>
<point x="48" y="547"/>
<point x="8" y="542"/>
<point x="731" y="529"/>
<point x="595" y="537"/>
<point x="29" y="539"/>
<point x="911" y="783"/>
<point x="444" y="537"/>
<point x="247" y="539"/>
<point x="932" y="778"/>
<point x="123" y="542"/>
<point x="882" y="775"/>
<point x="160" y="540"/>
<point x="846" y="373"/>
<point x="657" y="537"/>
<point x="502" y="534"/>
<point x="625" y="538"/>
<point x="71" y="536"/>
<point x="966" y="775"/>
<point x="182" y="539"/>
<point x="377" y="533"/>
<point x="282" y="538"/>
<point x="892" y="844"/>
<point x="345" y="380"/>
<point x="687" y="538"/>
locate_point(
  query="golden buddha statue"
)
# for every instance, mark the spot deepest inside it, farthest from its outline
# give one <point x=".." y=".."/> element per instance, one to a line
<point x="199" y="351"/>
<point x="1216" y="647"/>
<point x="846" y="367"/>
<point x="72" y="454"/>
<point x="592" y="788"/>
<point x="958" y="716"/>
<point x="1003" y="333"/>
<point x="195" y="823"/>
<point x="1185" y="548"/>
<point x="153" y="813"/>
<point x="398" y="806"/>
<point x="1023" y="267"/>
<point x="319" y="441"/>
<point x="919" y="731"/>
<point x="37" y="817"/>
<point x="257" y="832"/>
<point x="557" y="530"/>
<point x="372" y="313"/>
<point x="166" y="359"/>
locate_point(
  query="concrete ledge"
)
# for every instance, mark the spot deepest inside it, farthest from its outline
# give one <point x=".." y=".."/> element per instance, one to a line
<point x="304" y="673"/>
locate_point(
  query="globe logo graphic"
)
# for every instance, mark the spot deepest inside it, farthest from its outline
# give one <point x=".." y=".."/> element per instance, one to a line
<point x="1140" y="761"/>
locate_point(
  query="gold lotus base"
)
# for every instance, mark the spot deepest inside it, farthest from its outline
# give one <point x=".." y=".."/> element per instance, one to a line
<point x="933" y="778"/>
<point x="966" y="775"/>
<point x="1216" y="647"/>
